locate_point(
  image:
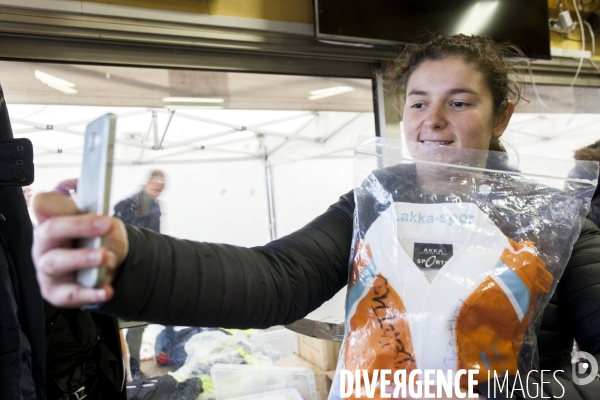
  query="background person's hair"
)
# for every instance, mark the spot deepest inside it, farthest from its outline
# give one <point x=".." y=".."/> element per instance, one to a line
<point x="500" y="63"/>
<point x="157" y="173"/>
<point x="588" y="153"/>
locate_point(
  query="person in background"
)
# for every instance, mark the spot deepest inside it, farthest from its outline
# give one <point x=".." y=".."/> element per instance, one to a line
<point x="22" y="338"/>
<point x="591" y="153"/>
<point x="142" y="209"/>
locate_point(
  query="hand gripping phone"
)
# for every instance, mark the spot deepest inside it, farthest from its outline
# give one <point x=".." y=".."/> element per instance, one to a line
<point x="93" y="187"/>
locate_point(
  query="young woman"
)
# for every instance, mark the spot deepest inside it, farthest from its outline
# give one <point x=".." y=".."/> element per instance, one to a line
<point x="456" y="92"/>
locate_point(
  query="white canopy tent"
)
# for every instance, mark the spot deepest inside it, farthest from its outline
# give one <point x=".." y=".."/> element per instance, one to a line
<point x="552" y="135"/>
<point x="233" y="176"/>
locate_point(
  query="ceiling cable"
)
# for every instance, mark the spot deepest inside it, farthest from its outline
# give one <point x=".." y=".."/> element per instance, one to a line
<point x="582" y="43"/>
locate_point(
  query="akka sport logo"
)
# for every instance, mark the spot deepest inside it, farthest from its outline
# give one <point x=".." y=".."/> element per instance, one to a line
<point x="432" y="255"/>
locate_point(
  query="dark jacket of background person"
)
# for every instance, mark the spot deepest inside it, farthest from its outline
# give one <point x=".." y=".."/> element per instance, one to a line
<point x="592" y="153"/>
<point x="22" y="337"/>
<point x="132" y="212"/>
<point x="218" y="285"/>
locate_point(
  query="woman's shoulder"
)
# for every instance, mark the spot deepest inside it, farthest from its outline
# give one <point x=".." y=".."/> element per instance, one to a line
<point x="393" y="175"/>
<point x="586" y="250"/>
<point x="589" y="231"/>
<point x="394" y="181"/>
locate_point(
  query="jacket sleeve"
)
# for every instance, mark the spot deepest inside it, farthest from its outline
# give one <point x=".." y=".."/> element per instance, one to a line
<point x="180" y="282"/>
<point x="578" y="294"/>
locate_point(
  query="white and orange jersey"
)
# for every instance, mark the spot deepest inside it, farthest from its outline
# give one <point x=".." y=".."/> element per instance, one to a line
<point x="472" y="314"/>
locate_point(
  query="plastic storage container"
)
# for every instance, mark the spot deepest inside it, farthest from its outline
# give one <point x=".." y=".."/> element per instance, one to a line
<point x="287" y="394"/>
<point x="231" y="381"/>
<point x="276" y="344"/>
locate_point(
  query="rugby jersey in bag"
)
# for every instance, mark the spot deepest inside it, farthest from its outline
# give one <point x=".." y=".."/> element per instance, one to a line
<point x="472" y="314"/>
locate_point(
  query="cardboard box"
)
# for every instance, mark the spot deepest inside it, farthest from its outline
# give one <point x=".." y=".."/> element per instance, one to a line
<point x="321" y="378"/>
<point x="322" y="353"/>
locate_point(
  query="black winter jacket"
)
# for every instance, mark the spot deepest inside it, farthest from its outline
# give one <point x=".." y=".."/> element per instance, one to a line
<point x="180" y="282"/>
<point x="594" y="214"/>
<point x="22" y="337"/>
<point x="25" y="319"/>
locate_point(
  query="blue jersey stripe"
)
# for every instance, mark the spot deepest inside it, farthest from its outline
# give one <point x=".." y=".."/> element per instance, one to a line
<point x="515" y="284"/>
<point x="365" y="280"/>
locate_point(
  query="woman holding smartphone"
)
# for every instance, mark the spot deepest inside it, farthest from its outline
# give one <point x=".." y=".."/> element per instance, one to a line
<point x="457" y="92"/>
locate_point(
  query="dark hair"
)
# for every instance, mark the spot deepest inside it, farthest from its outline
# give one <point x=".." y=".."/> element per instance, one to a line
<point x="500" y="63"/>
<point x="588" y="153"/>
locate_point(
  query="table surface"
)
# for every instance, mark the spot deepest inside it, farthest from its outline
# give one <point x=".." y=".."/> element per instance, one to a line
<point x="131" y="324"/>
<point x="326" y="322"/>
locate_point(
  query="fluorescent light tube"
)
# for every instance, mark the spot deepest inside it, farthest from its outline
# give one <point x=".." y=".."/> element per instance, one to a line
<point x="192" y="107"/>
<point x="44" y="77"/>
<point x="56" y="83"/>
<point x="192" y="100"/>
<point x="64" y="89"/>
<point x="328" y="92"/>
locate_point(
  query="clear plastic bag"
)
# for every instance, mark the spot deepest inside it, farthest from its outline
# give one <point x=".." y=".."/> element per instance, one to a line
<point x="455" y="254"/>
<point x="217" y="347"/>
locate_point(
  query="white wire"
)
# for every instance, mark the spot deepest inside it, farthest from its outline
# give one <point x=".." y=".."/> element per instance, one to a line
<point x="582" y="43"/>
<point x="535" y="90"/>
<point x="534" y="86"/>
<point x="592" y="36"/>
<point x="593" y="45"/>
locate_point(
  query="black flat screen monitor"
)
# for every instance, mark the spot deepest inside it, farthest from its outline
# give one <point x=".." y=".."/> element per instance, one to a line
<point x="393" y="22"/>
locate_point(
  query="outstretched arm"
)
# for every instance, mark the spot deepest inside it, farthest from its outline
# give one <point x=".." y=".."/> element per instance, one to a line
<point x="180" y="282"/>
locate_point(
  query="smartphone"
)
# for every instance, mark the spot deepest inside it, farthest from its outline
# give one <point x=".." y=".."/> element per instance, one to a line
<point x="93" y="187"/>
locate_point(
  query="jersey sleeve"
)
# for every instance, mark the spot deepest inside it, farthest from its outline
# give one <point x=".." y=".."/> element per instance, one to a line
<point x="577" y="305"/>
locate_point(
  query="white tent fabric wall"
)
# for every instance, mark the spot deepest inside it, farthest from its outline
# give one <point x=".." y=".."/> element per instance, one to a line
<point x="216" y="202"/>
<point x="322" y="173"/>
<point x="551" y="135"/>
<point x="213" y="161"/>
<point x="317" y="183"/>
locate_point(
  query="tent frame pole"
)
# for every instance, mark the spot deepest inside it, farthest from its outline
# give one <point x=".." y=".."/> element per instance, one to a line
<point x="272" y="229"/>
<point x="271" y="203"/>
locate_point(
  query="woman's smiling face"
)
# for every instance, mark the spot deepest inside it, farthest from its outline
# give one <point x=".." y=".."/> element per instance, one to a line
<point x="449" y="103"/>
